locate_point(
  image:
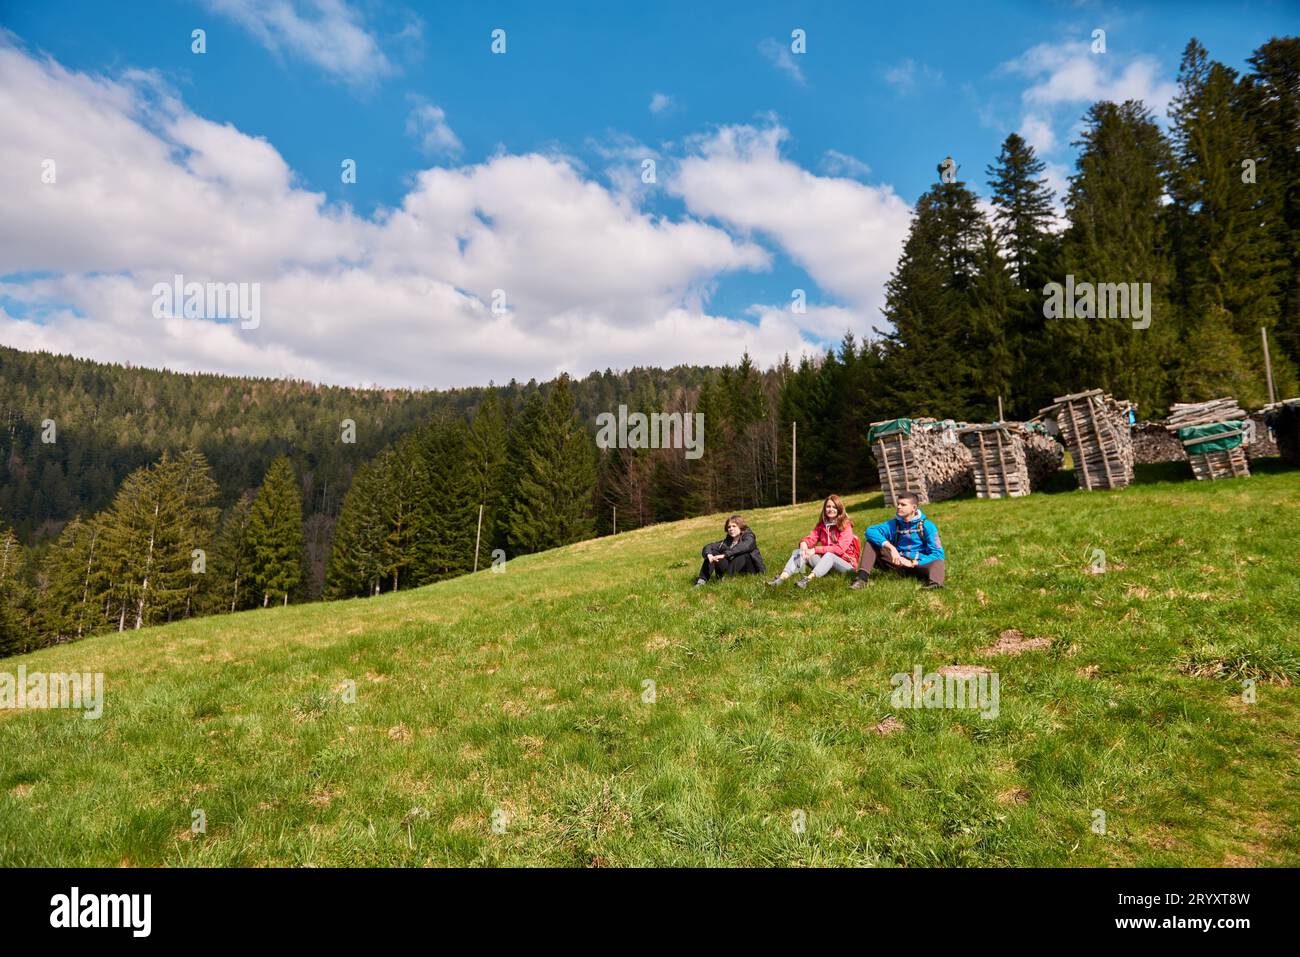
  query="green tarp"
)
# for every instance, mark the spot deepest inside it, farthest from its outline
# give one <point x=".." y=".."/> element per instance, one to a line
<point x="893" y="425"/>
<point x="1209" y="433"/>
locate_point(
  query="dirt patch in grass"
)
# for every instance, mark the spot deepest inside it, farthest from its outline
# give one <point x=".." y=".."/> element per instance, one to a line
<point x="1013" y="641"/>
<point x="889" y="726"/>
<point x="1013" y="796"/>
<point x="963" y="671"/>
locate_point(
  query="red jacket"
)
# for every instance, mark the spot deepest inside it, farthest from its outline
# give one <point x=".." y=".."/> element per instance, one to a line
<point x="844" y="544"/>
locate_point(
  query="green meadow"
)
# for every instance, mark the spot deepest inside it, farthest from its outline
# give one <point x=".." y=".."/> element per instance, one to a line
<point x="587" y="707"/>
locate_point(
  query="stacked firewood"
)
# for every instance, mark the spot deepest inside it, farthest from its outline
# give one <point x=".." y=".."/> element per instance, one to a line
<point x="1222" y="463"/>
<point x="1095" y="428"/>
<point x="928" y="460"/>
<point x="1043" y="457"/>
<point x="1203" y="413"/>
<point x="998" y="466"/>
<point x="1283" y="419"/>
<point x="1010" y="459"/>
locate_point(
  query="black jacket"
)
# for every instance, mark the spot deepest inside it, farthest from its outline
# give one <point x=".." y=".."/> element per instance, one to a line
<point x="747" y="544"/>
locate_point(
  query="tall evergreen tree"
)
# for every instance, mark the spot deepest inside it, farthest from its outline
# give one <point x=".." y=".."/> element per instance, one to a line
<point x="1118" y="233"/>
<point x="1275" y="109"/>
<point x="554" y="502"/>
<point x="232" y="559"/>
<point x="1230" y="265"/>
<point x="275" y="534"/>
<point x="1024" y="210"/>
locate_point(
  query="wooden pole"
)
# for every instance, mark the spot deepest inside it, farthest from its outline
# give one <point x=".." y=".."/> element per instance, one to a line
<point x="1268" y="365"/>
<point x="478" y="535"/>
<point x="794" y="455"/>
<point x="615" y="519"/>
<point x="1000" y="418"/>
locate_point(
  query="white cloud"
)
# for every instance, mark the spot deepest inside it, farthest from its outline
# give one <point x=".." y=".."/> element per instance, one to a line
<point x="835" y="163"/>
<point x="905" y="77"/>
<point x="661" y="103"/>
<point x="326" y="33"/>
<point x="428" y="124"/>
<point x="846" y="234"/>
<point x="1069" y="73"/>
<point x="146" y="189"/>
<point x="780" y="56"/>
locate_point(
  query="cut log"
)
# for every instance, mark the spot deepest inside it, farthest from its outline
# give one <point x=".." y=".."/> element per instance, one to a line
<point x="1095" y="428"/>
<point x="922" y="456"/>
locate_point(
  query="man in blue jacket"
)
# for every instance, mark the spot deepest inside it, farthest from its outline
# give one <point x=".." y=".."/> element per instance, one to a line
<point x="908" y="543"/>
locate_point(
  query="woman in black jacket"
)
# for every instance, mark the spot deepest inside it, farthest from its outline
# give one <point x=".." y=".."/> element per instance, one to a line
<point x="737" y="554"/>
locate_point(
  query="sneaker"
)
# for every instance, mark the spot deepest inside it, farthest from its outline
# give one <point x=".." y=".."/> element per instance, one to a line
<point x="699" y="582"/>
<point x="776" y="581"/>
<point x="859" y="583"/>
<point x="931" y="586"/>
<point x="803" y="582"/>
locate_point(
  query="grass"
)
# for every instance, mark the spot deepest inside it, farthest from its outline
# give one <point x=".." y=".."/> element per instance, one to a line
<point x="503" y="719"/>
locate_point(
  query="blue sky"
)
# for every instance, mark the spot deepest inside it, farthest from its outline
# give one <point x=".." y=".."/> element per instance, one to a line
<point x="520" y="172"/>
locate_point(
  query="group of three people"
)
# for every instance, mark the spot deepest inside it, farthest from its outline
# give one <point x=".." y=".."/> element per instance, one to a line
<point x="907" y="543"/>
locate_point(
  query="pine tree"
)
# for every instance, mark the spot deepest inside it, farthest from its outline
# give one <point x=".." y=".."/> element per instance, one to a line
<point x="452" y="495"/>
<point x="147" y="546"/>
<point x="485" y="465"/>
<point x="1024" y="207"/>
<point x="554" y="501"/>
<point x="355" y="565"/>
<point x="1230" y="266"/>
<point x="233" y="558"/>
<point x="198" y="491"/>
<point x="1274" y="107"/>
<point x="77" y="582"/>
<point x="275" y="533"/>
<point x="1118" y="233"/>
<point x="933" y="362"/>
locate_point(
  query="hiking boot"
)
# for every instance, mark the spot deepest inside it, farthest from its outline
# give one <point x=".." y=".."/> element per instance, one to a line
<point x="776" y="581"/>
<point x="699" y="582"/>
<point x="859" y="583"/>
<point x="803" y="582"/>
<point x="931" y="586"/>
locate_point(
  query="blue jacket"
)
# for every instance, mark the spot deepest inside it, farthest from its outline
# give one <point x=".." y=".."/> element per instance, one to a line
<point x="917" y="539"/>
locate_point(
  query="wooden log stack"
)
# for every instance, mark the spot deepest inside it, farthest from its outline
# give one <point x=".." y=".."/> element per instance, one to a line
<point x="1095" y="428"/>
<point x="998" y="467"/>
<point x="1283" y="420"/>
<point x="1010" y="459"/>
<point x="928" y="460"/>
<point x="1218" y="464"/>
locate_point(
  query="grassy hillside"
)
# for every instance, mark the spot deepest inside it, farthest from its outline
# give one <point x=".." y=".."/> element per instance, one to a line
<point x="518" y="698"/>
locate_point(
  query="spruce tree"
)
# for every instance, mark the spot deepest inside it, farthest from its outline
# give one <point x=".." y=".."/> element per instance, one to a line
<point x="355" y="565"/>
<point x="553" y="505"/>
<point x="1231" y="268"/>
<point x="275" y="534"/>
<point x="1024" y="207"/>
<point x="232" y="559"/>
<point x="1118" y="233"/>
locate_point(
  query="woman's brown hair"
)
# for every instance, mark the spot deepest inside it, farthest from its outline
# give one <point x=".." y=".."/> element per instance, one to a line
<point x="740" y="523"/>
<point x="841" y="518"/>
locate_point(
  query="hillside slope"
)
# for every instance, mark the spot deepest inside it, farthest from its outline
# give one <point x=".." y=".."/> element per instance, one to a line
<point x="502" y="718"/>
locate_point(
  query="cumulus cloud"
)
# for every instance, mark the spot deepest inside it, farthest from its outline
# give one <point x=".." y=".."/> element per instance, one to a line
<point x="661" y="103"/>
<point x="427" y="123"/>
<point x="847" y="235"/>
<point x="146" y="189"/>
<point x="326" y="33"/>
<point x="780" y="56"/>
<point x="905" y="77"/>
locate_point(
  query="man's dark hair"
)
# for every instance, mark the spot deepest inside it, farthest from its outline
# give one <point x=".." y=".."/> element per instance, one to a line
<point x="911" y="497"/>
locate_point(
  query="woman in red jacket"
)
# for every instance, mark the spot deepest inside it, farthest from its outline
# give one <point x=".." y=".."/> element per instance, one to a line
<point x="831" y="545"/>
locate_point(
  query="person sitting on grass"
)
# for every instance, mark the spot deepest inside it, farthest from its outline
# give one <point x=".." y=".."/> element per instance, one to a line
<point x="831" y="545"/>
<point x="908" y="543"/>
<point x="736" y="554"/>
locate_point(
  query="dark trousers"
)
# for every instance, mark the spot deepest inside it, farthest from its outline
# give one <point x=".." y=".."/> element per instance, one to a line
<point x="742" y="564"/>
<point x="872" y="556"/>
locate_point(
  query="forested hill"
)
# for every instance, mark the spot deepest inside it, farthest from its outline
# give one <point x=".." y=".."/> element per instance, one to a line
<point x="109" y="420"/>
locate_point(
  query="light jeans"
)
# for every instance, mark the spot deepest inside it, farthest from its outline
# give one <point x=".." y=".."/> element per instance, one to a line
<point x="824" y="563"/>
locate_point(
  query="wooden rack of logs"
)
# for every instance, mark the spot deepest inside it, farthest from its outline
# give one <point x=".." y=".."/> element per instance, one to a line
<point x="928" y="461"/>
<point x="1220" y="464"/>
<point x="1009" y="459"/>
<point x="1095" y="428"/>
